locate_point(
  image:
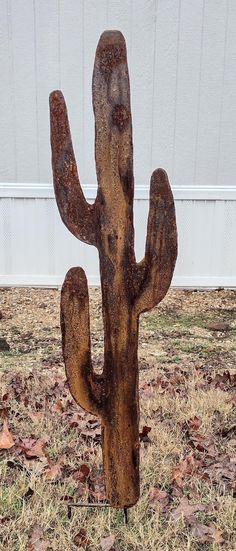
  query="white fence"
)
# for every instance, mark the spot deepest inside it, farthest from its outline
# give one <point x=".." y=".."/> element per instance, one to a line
<point x="182" y="60"/>
<point x="38" y="249"/>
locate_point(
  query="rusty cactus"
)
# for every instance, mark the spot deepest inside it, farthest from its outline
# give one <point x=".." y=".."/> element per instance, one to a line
<point x="128" y="288"/>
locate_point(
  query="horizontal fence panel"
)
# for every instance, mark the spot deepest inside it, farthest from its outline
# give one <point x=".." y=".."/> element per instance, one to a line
<point x="37" y="249"/>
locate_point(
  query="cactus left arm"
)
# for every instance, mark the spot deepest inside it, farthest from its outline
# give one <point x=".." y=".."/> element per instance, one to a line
<point x="85" y="385"/>
<point x="76" y="213"/>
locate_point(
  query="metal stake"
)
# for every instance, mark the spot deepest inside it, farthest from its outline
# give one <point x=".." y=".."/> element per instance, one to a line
<point x="126" y="515"/>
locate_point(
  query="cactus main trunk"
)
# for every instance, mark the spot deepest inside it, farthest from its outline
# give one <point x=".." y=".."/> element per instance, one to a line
<point x="121" y="415"/>
<point x="128" y="288"/>
<point x="120" y="420"/>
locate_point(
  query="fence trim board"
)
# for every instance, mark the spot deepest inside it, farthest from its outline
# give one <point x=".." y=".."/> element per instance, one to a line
<point x="55" y="281"/>
<point x="45" y="191"/>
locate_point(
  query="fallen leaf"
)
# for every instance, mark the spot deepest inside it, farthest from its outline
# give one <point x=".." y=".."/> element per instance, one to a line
<point x="188" y="466"/>
<point x="36" y="540"/>
<point x="4" y="412"/>
<point x="81" y="540"/>
<point x="186" y="509"/>
<point x="156" y="495"/>
<point x="232" y="400"/>
<point x="159" y="497"/>
<point x="194" y="423"/>
<point x="5" y="397"/>
<point x="223" y="380"/>
<point x="223" y="470"/>
<point x="144" y="434"/>
<point x="82" y="473"/>
<point x="145" y="431"/>
<point x="6" y="439"/>
<point x="216" y="534"/>
<point x="54" y="471"/>
<point x="57" y="407"/>
<point x="203" y="444"/>
<point x="177" y="492"/>
<point x="107" y="543"/>
<point x="37" y="449"/>
<point x="75" y="420"/>
<point x="204" y="533"/>
<point x="35" y="416"/>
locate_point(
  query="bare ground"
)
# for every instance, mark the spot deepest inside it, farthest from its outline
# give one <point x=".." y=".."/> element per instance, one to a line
<point x="51" y="452"/>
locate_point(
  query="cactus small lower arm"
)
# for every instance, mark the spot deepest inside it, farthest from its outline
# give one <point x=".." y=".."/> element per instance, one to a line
<point x="128" y="288"/>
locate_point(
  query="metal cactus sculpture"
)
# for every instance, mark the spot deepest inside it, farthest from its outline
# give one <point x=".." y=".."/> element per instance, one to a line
<point x="128" y="288"/>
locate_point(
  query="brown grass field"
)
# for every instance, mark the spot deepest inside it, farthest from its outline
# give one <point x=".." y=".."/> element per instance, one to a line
<point x="51" y="451"/>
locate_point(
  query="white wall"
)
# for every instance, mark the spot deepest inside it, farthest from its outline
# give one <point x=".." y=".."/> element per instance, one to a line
<point x="182" y="59"/>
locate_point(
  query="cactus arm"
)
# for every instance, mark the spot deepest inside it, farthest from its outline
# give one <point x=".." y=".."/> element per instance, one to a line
<point x="154" y="272"/>
<point x="76" y="213"/>
<point x="85" y="385"/>
<point x="113" y="125"/>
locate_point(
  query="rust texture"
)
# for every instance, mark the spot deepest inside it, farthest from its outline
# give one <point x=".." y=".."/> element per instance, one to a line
<point x="128" y="288"/>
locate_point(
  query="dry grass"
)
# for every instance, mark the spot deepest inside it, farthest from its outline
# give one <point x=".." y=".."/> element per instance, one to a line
<point x="178" y="354"/>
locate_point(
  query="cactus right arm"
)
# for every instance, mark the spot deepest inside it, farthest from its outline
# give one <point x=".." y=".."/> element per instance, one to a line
<point x="76" y="213"/>
<point x="154" y="272"/>
<point x="85" y="385"/>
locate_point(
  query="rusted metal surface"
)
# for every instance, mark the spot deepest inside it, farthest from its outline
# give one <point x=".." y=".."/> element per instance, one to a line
<point x="128" y="288"/>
